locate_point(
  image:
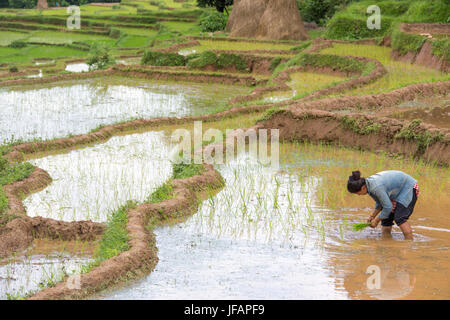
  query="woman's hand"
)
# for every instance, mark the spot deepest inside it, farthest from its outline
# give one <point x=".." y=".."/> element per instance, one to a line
<point x="374" y="222"/>
<point x="370" y="218"/>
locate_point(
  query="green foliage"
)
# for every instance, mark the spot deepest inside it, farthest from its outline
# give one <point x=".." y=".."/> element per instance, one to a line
<point x="156" y="58"/>
<point x="327" y="60"/>
<point x="275" y="63"/>
<point x="164" y="192"/>
<point x="319" y="11"/>
<point x="441" y="48"/>
<point x="115" y="238"/>
<point x="11" y="173"/>
<point x="412" y="132"/>
<point x="220" y="5"/>
<point x="214" y="21"/>
<point x="183" y="171"/>
<point x="269" y="114"/>
<point x="405" y="42"/>
<point x="204" y="59"/>
<point x="351" y="22"/>
<point x="22" y="4"/>
<point x="115" y="33"/>
<point x="302" y="46"/>
<point x="428" y="11"/>
<point x="13" y="69"/>
<point x="17" y="44"/>
<point x="360" y="127"/>
<point x="99" y="57"/>
<point x="351" y="28"/>
<point x="223" y="60"/>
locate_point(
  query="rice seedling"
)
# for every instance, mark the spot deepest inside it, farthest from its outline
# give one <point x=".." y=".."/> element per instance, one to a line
<point x="400" y="74"/>
<point x="360" y="226"/>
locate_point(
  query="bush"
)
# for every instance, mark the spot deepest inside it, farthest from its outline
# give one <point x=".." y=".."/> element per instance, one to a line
<point x="327" y="60"/>
<point x="13" y="69"/>
<point x="99" y="57"/>
<point x="224" y="60"/>
<point x="319" y="11"/>
<point x="156" y="58"/>
<point x="350" y="28"/>
<point x="115" y="33"/>
<point x="204" y="59"/>
<point x="17" y="44"/>
<point x="22" y="4"/>
<point x="441" y="48"/>
<point x="212" y="22"/>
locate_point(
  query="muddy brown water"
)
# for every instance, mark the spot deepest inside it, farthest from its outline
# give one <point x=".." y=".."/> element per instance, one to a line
<point x="266" y="236"/>
<point x="74" y="107"/>
<point x="435" y="111"/>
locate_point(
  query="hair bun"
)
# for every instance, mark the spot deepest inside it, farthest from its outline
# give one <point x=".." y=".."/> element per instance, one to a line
<point x="356" y="175"/>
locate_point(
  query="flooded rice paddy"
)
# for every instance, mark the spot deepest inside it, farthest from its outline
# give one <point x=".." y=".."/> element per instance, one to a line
<point x="90" y="183"/>
<point x="75" y="107"/>
<point x="286" y="234"/>
<point x="42" y="265"/>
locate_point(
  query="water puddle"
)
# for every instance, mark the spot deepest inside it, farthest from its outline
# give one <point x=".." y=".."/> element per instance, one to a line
<point x="43" y="62"/>
<point x="75" y="107"/>
<point x="90" y="183"/>
<point x="77" y="67"/>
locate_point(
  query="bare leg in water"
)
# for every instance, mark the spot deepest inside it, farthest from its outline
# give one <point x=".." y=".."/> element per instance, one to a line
<point x="386" y="232"/>
<point x="407" y="231"/>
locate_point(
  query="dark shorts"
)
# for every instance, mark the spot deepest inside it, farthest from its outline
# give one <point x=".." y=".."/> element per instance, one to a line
<point x="401" y="213"/>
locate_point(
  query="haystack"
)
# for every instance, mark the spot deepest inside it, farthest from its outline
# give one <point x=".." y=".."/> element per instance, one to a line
<point x="282" y="21"/>
<point x="266" y="19"/>
<point x="42" y="4"/>
<point x="245" y="16"/>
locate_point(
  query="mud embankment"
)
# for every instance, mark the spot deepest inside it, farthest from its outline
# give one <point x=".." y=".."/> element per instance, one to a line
<point x="283" y="77"/>
<point x="425" y="56"/>
<point x="21" y="230"/>
<point x="142" y="257"/>
<point x="178" y="74"/>
<point x="323" y="126"/>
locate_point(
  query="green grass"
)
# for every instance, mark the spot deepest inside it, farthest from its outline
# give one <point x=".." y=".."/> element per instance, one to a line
<point x="9" y="174"/>
<point x="32" y="52"/>
<point x="115" y="238"/>
<point x="399" y="74"/>
<point x="183" y="171"/>
<point x="405" y="42"/>
<point x="164" y="192"/>
<point x="350" y="23"/>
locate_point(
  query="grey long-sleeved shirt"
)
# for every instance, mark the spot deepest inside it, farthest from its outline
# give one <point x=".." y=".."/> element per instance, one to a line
<point x="387" y="186"/>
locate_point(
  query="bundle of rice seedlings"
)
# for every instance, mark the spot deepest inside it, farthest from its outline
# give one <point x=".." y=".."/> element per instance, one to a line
<point x="360" y="226"/>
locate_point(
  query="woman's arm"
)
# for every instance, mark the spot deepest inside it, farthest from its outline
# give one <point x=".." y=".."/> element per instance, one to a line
<point x="374" y="214"/>
<point x="384" y="201"/>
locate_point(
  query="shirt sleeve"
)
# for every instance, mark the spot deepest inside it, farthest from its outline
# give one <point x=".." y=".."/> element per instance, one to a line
<point x="383" y="202"/>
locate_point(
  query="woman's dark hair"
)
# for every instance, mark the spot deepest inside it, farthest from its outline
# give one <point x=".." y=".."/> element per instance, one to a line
<point x="355" y="182"/>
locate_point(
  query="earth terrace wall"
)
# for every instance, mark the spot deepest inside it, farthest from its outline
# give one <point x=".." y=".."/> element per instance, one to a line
<point x="284" y="77"/>
<point x="142" y="257"/>
<point x="314" y="125"/>
<point x="424" y="56"/>
<point x="140" y="72"/>
<point x="18" y="233"/>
